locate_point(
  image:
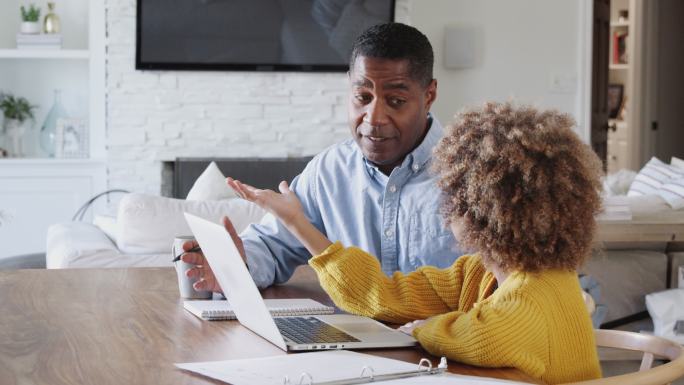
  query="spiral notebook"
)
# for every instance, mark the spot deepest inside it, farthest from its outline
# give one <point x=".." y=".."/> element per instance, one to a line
<point x="211" y="310"/>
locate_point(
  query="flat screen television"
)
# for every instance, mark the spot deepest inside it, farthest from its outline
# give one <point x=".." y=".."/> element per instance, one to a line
<point x="253" y="35"/>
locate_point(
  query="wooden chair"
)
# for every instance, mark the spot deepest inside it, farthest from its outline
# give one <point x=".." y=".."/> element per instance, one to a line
<point x="652" y="346"/>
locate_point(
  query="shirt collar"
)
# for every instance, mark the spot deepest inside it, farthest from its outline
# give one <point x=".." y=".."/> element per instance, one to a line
<point x="423" y="153"/>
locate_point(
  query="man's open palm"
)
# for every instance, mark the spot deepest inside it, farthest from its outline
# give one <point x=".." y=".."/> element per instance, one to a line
<point x="284" y="205"/>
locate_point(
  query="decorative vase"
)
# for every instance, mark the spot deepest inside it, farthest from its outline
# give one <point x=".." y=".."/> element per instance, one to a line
<point x="51" y="22"/>
<point x="49" y="127"/>
<point x="14" y="137"/>
<point x="30" y="27"/>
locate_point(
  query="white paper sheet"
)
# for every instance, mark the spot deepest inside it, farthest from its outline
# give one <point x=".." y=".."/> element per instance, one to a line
<point x="450" y="379"/>
<point x="321" y="366"/>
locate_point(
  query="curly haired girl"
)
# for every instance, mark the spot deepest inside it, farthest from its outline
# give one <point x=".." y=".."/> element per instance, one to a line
<point x="521" y="191"/>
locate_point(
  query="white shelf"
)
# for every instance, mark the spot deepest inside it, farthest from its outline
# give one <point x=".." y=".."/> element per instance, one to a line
<point x="14" y="53"/>
<point x="617" y="24"/>
<point x="618" y="66"/>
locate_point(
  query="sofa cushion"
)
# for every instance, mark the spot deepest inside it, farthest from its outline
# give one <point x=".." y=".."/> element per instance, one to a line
<point x="82" y="245"/>
<point x="70" y="241"/>
<point x="148" y="224"/>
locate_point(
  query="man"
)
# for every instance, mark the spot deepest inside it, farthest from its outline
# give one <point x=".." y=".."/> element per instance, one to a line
<point x="374" y="191"/>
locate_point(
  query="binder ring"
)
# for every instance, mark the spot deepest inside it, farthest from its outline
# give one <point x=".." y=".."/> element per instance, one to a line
<point x="369" y="369"/>
<point x="425" y="364"/>
<point x="304" y="376"/>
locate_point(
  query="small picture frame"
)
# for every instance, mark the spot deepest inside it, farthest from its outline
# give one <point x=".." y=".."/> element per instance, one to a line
<point x="615" y="100"/>
<point x="71" y="138"/>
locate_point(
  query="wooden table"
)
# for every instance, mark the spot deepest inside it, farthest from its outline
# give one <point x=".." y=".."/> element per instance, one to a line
<point x="128" y="326"/>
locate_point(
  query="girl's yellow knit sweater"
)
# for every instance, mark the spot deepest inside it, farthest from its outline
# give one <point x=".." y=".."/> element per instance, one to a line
<point x="535" y="322"/>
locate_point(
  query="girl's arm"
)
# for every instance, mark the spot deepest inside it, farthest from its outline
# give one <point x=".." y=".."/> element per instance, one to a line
<point x="509" y="332"/>
<point x="356" y="283"/>
<point x="354" y="279"/>
<point x="287" y="208"/>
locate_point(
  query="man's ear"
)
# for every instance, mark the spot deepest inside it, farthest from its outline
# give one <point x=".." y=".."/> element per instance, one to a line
<point x="430" y="94"/>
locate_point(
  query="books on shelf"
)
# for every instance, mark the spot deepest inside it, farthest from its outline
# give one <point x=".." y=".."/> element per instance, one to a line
<point x="210" y="310"/>
<point x="39" y="41"/>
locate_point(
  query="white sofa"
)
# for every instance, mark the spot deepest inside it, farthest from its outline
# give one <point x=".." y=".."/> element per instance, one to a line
<point x="143" y="230"/>
<point x="142" y="234"/>
<point x="83" y="245"/>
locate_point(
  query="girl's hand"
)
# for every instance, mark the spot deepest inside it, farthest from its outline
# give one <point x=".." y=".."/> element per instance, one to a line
<point x="408" y="328"/>
<point x="285" y="206"/>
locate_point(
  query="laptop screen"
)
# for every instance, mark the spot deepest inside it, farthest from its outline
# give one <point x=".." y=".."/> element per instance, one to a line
<point x="231" y="272"/>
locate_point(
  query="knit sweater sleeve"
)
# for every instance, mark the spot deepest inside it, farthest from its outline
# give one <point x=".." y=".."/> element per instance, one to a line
<point x="356" y="283"/>
<point x="506" y="332"/>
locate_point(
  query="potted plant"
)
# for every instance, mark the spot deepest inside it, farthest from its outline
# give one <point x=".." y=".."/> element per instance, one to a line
<point x="16" y="112"/>
<point x="30" y="17"/>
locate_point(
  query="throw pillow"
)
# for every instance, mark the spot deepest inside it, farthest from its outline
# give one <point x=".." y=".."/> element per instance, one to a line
<point x="618" y="183"/>
<point x="211" y="186"/>
<point x="673" y="193"/>
<point x="148" y="224"/>
<point x="652" y="177"/>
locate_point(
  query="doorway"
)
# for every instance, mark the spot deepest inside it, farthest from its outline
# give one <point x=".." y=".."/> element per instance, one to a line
<point x="637" y="82"/>
<point x="666" y="121"/>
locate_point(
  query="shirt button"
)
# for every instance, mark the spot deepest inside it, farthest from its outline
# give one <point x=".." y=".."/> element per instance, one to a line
<point x="388" y="233"/>
<point x="416" y="167"/>
<point x="393" y="188"/>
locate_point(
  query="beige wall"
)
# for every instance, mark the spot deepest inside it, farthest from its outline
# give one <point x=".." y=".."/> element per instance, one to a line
<point x="522" y="46"/>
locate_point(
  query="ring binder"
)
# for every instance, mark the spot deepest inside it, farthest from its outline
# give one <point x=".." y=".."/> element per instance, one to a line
<point x="424" y="369"/>
<point x="370" y="369"/>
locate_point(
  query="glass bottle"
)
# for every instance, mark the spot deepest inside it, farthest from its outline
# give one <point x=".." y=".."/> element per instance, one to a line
<point x="49" y="127"/>
<point x="51" y="22"/>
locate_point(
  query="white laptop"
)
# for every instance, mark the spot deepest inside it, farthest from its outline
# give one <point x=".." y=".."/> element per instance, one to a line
<point x="320" y="332"/>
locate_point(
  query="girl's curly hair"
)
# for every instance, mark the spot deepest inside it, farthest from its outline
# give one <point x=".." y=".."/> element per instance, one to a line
<point x="521" y="185"/>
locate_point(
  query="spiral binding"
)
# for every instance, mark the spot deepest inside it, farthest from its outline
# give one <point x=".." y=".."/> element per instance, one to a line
<point x="276" y="312"/>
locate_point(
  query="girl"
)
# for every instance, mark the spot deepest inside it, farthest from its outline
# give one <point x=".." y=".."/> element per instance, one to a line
<point x="521" y="190"/>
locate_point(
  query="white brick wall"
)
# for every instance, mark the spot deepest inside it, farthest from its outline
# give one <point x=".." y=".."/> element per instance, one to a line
<point x="154" y="116"/>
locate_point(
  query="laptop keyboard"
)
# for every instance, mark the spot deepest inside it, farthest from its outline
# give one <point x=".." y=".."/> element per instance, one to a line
<point x="311" y="330"/>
